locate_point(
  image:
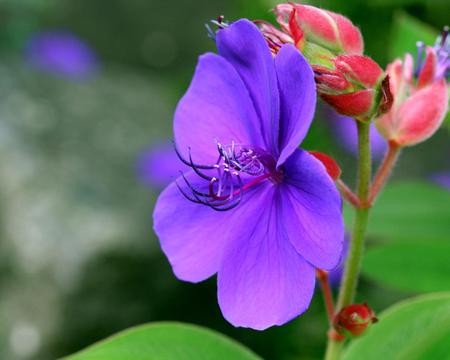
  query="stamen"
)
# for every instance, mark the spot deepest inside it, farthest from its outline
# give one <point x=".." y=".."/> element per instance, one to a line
<point x="220" y="23"/>
<point x="224" y="191"/>
<point x="419" y="61"/>
<point x="444" y="36"/>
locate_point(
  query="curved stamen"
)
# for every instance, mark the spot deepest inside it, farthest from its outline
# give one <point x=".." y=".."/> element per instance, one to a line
<point x="189" y="163"/>
<point x="225" y="190"/>
<point x="196" y="169"/>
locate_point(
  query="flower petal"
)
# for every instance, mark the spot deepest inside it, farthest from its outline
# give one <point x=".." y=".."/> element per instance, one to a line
<point x="263" y="281"/>
<point x="312" y="211"/>
<point x="243" y="45"/>
<point x="216" y="106"/>
<point x="297" y="99"/>
<point x="191" y="235"/>
<point x="422" y="114"/>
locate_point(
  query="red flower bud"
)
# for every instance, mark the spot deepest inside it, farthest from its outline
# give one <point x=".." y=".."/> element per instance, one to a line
<point x="330" y="164"/>
<point x="359" y="69"/>
<point x="354" y="319"/>
<point x="354" y="87"/>
<point x="420" y="99"/>
<point x="324" y="28"/>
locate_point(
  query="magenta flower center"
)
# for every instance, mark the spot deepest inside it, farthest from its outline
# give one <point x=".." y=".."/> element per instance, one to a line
<point x="237" y="169"/>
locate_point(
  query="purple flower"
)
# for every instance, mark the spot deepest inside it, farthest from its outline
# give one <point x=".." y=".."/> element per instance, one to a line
<point x="159" y="165"/>
<point x="254" y="208"/>
<point x="61" y="53"/>
<point x="442" y="179"/>
<point x="344" y="129"/>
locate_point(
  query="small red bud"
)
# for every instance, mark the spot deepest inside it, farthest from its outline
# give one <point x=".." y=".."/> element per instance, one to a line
<point x="330" y="164"/>
<point x="355" y="319"/>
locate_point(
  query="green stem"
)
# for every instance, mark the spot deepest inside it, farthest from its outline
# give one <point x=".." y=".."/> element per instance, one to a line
<point x="353" y="262"/>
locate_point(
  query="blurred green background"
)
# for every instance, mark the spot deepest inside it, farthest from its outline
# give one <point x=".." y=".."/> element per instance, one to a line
<point x="78" y="257"/>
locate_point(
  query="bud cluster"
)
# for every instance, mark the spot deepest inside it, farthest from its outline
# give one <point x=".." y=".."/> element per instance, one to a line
<point x="352" y="83"/>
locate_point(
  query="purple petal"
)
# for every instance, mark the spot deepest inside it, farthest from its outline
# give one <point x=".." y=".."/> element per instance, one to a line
<point x="263" y="281"/>
<point x="442" y="179"/>
<point x="61" y="53"/>
<point x="243" y="45"/>
<point x="344" y="129"/>
<point x="297" y="99"/>
<point x="191" y="235"/>
<point x="312" y="211"/>
<point x="216" y="107"/>
<point x="159" y="165"/>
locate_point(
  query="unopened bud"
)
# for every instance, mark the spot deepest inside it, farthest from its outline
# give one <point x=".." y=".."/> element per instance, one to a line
<point x="331" y="166"/>
<point x="310" y="26"/>
<point x="355" y="86"/>
<point x="355" y="319"/>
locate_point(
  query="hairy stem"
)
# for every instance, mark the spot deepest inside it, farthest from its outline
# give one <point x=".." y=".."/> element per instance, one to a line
<point x="353" y="262"/>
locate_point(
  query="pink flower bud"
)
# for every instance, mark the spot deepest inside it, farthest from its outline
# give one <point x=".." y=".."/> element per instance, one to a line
<point x="420" y="96"/>
<point x="324" y="28"/>
<point x="356" y="87"/>
<point x="355" y="319"/>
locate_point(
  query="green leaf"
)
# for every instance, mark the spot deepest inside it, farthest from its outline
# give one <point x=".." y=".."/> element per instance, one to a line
<point x="407" y="30"/>
<point x="415" y="267"/>
<point x="166" y="341"/>
<point x="416" y="329"/>
<point x="410" y="212"/>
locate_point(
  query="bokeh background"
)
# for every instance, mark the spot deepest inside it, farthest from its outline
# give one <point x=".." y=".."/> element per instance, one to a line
<point x="86" y="88"/>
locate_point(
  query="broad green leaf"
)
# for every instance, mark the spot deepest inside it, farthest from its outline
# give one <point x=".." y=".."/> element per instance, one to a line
<point x="416" y="329"/>
<point x="406" y="32"/>
<point x="166" y="341"/>
<point x="410" y="212"/>
<point x="418" y="267"/>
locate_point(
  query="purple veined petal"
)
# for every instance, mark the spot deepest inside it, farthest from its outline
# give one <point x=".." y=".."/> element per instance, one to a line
<point x="442" y="179"/>
<point x="335" y="275"/>
<point x="216" y="107"/>
<point x="312" y="211"/>
<point x="243" y="45"/>
<point x="297" y="99"/>
<point x="192" y="236"/>
<point x="344" y="129"/>
<point x="61" y="53"/>
<point x="158" y="165"/>
<point x="263" y="281"/>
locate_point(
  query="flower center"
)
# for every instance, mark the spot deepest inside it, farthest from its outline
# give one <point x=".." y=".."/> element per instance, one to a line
<point x="237" y="169"/>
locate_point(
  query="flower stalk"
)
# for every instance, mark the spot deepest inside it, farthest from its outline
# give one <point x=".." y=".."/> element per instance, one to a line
<point x="324" y="282"/>
<point x="353" y="263"/>
<point x="384" y="170"/>
<point x="348" y="194"/>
